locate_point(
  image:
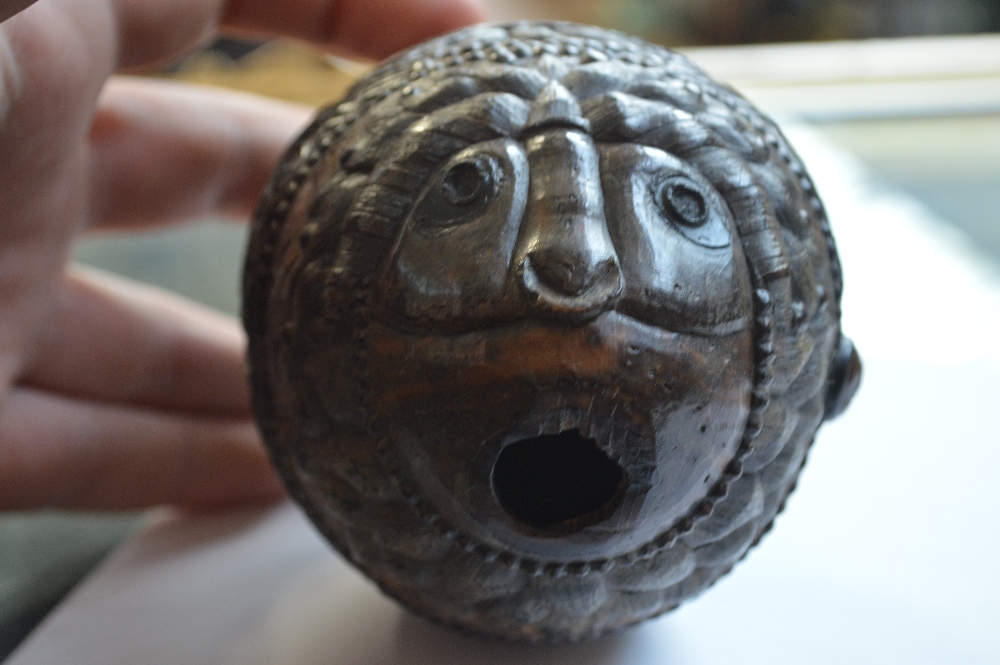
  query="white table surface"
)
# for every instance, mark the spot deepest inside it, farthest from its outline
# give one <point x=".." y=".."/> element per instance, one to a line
<point x="888" y="552"/>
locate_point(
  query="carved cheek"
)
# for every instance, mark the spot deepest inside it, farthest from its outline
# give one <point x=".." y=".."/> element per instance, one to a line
<point x="683" y="266"/>
<point x="452" y="256"/>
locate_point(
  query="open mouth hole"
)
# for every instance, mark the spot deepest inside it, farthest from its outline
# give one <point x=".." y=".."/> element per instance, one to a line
<point x="557" y="482"/>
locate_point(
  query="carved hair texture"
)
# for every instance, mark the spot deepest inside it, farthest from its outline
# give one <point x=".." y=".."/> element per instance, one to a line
<point x="542" y="324"/>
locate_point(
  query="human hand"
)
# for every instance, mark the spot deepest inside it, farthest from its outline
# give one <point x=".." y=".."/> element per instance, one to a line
<point x="114" y="395"/>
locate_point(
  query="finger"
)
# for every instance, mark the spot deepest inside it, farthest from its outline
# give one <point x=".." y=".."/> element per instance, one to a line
<point x="152" y="30"/>
<point x="109" y="339"/>
<point x="373" y="28"/>
<point x="163" y="151"/>
<point x="73" y="454"/>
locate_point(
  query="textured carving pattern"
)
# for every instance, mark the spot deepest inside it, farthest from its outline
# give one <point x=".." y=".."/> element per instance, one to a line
<point x="555" y="236"/>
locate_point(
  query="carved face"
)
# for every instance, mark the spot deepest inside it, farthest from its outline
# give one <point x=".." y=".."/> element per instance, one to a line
<point x="562" y="341"/>
<point x="542" y="323"/>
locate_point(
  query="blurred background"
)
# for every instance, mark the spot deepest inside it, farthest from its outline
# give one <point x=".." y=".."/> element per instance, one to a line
<point x="712" y="22"/>
<point x="910" y="87"/>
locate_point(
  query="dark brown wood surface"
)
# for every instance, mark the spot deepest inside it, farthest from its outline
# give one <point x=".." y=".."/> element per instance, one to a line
<point x="542" y="324"/>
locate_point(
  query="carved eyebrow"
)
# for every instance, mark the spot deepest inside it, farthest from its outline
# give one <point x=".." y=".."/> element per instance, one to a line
<point x="521" y="81"/>
<point x="401" y="172"/>
<point x="618" y="117"/>
<point x="482" y="117"/>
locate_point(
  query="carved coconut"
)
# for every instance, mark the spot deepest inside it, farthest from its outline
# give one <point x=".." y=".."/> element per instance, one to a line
<point x="542" y="324"/>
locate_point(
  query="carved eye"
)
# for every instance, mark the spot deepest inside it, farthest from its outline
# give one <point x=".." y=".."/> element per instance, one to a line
<point x="461" y="192"/>
<point x="465" y="182"/>
<point x="687" y="205"/>
<point x="684" y="203"/>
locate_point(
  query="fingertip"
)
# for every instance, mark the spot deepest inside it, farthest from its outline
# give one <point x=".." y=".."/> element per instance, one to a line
<point x="365" y="28"/>
<point x="230" y="470"/>
<point x="250" y="491"/>
<point x="380" y="29"/>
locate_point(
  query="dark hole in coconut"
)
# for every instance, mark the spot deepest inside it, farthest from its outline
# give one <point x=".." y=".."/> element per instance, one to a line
<point x="557" y="482"/>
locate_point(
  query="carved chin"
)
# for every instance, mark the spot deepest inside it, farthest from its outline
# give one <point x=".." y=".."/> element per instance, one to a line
<point x="561" y="442"/>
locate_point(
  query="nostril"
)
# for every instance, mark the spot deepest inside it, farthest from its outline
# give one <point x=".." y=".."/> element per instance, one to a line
<point x="571" y="275"/>
<point x="557" y="483"/>
<point x="566" y="275"/>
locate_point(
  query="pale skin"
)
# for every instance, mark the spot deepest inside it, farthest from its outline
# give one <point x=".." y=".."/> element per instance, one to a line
<point x="114" y="395"/>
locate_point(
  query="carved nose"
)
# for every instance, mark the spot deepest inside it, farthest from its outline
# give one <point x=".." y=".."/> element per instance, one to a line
<point x="568" y="265"/>
<point x="569" y="277"/>
<point x="570" y="273"/>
